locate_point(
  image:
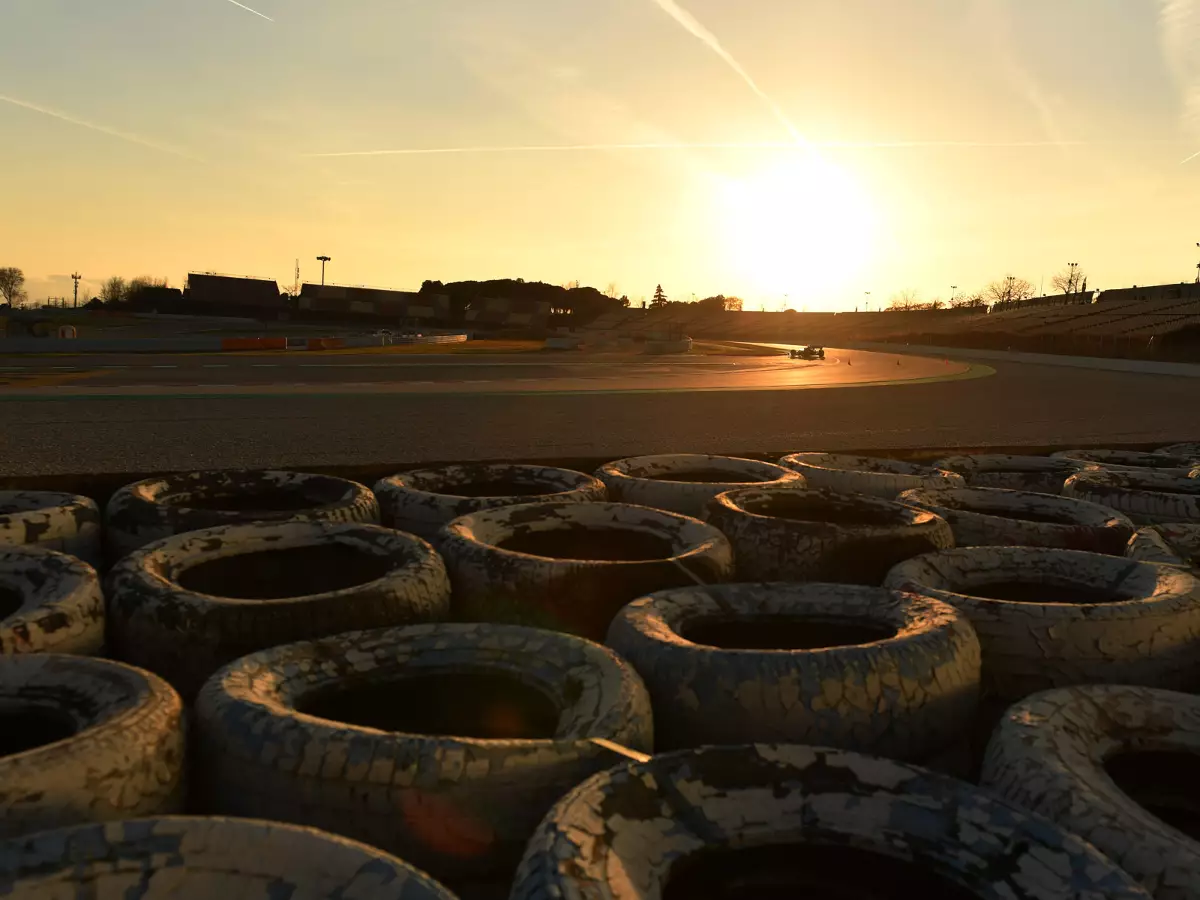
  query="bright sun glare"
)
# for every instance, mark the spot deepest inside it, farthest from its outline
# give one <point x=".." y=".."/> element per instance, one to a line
<point x="804" y="229"/>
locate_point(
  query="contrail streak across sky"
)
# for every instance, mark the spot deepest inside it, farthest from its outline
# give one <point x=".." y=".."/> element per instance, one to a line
<point x="248" y="9"/>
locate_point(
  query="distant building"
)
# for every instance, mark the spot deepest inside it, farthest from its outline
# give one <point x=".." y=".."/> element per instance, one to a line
<point x="231" y="291"/>
<point x="375" y="302"/>
<point x="1184" y="291"/>
<point x="508" y="311"/>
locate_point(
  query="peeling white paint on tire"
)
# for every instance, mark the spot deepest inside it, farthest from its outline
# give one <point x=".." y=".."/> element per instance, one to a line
<point x="1177" y="545"/>
<point x="1146" y="497"/>
<point x="997" y="517"/>
<point x="1144" y="629"/>
<point x="797" y="534"/>
<point x="670" y="480"/>
<point x="49" y="603"/>
<point x="204" y="858"/>
<point x="867" y="474"/>
<point x="1049" y="754"/>
<point x="620" y="834"/>
<point x="1037" y="474"/>
<point x="122" y="750"/>
<point x="185" y="635"/>
<point x="67" y="523"/>
<point x="1130" y="461"/>
<point x="423" y="501"/>
<point x="455" y="806"/>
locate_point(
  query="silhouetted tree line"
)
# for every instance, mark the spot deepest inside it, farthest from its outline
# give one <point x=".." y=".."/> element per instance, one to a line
<point x="571" y="300"/>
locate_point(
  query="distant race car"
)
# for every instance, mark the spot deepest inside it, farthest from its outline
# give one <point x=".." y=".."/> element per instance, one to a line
<point x="808" y="353"/>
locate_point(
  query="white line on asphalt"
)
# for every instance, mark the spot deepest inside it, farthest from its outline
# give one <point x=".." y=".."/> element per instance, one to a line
<point x="13" y="368"/>
<point x="164" y="367"/>
<point x="65" y="368"/>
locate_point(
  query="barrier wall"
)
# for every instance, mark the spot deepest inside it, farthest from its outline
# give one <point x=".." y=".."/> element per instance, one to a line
<point x="207" y="344"/>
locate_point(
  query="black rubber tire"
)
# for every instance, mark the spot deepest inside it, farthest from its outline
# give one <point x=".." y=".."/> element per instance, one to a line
<point x="186" y="631"/>
<point x="1188" y="449"/>
<point x="1051" y="637"/>
<point x="867" y="474"/>
<point x="67" y="523"/>
<point x="1036" y="474"/>
<point x="1049" y="754"/>
<point x="85" y="740"/>
<point x="790" y="534"/>
<point x="983" y="517"/>
<point x="1130" y="461"/>
<point x="49" y="603"/>
<point x="424" y="501"/>
<point x="648" y="481"/>
<point x="194" y="858"/>
<point x="907" y="692"/>
<point x="1146" y="498"/>
<point x="579" y="596"/>
<point x="147" y="511"/>
<point x="1176" y="545"/>
<point x="833" y="816"/>
<point x="263" y="757"/>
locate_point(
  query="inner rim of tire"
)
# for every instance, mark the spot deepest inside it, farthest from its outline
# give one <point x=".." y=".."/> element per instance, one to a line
<point x="1020" y="590"/>
<point x="709" y="476"/>
<point x="252" y="499"/>
<point x="292" y="572"/>
<point x="613" y="544"/>
<point x="491" y="705"/>
<point x="499" y="487"/>
<point x="1020" y="515"/>
<point x="815" y="509"/>
<point x="1163" y="783"/>
<point x="776" y="632"/>
<point x="788" y="871"/>
<point x="11" y="600"/>
<point x="24" y="727"/>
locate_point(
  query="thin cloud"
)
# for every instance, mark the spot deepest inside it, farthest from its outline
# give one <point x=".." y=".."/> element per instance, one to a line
<point x="1195" y="155"/>
<point x="1179" y="32"/>
<point x="248" y="9"/>
<point x="103" y="129"/>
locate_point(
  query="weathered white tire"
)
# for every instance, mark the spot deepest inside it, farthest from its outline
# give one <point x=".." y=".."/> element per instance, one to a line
<point x="49" y="603"/>
<point x="796" y="534"/>
<point x="187" y="605"/>
<point x="147" y="511"/>
<point x="997" y="517"/>
<point x="1037" y="474"/>
<point x="502" y="570"/>
<point x="1088" y="757"/>
<point x="67" y="523"/>
<point x="194" y="858"/>
<point x="867" y="474"/>
<point x="383" y="772"/>
<point x="1131" y="461"/>
<point x="424" y="501"/>
<point x="859" y="668"/>
<point x="1147" y="498"/>
<point x="1176" y="545"/>
<point x="1072" y="617"/>
<point x="779" y="820"/>
<point x="85" y="740"/>
<point x="685" y="482"/>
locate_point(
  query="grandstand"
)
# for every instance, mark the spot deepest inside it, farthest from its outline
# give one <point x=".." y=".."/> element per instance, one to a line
<point x="341" y="300"/>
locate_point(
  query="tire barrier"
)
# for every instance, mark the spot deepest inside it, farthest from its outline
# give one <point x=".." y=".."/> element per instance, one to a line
<point x="1053" y="618"/>
<point x="1037" y="474"/>
<point x="424" y="501"/>
<point x="570" y="566"/>
<point x="1176" y="545"/>
<point x="150" y="510"/>
<point x="193" y="858"/>
<point x="64" y="522"/>
<point x="685" y="482"/>
<point x="49" y="603"/>
<point x="790" y="534"/>
<point x="859" y="668"/>
<point x="867" y="474"/>
<point x="996" y="517"/>
<point x="1146" y="498"/>
<point x="187" y="605"/>
<point x="85" y="740"/>
<point x="1130" y="461"/>
<point x="778" y="820"/>
<point x="353" y="734"/>
<point x="1114" y="765"/>
<point x="1188" y="449"/>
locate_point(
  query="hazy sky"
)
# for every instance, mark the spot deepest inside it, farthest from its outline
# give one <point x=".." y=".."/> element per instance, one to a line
<point x="813" y="148"/>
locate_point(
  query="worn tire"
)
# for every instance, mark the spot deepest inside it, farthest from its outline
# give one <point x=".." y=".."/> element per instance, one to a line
<point x="981" y="517"/>
<point x="264" y="756"/>
<point x="1054" y="634"/>
<point x="67" y="523"/>
<point x="668" y="481"/>
<point x="898" y="678"/>
<point x="834" y="820"/>
<point x="1049" y="754"/>
<point x="790" y="534"/>
<point x="867" y="474"/>
<point x="49" y="603"/>
<point x="147" y="511"/>
<point x="1188" y="449"/>
<point x="170" y="610"/>
<point x="1036" y="474"/>
<point x="85" y="740"/>
<point x="499" y="583"/>
<point x="424" y="501"/>
<point x="1147" y="498"/>
<point x="194" y="858"/>
<point x="1176" y="545"/>
<point x="1130" y="461"/>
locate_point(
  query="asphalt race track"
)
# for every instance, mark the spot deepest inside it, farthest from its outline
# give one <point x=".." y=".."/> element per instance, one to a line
<point x="140" y="414"/>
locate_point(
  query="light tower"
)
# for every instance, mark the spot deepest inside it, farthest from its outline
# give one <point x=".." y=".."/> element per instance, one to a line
<point x="323" y="260"/>
<point x="76" y="278"/>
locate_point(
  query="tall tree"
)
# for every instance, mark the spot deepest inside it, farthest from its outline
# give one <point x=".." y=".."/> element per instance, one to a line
<point x="1070" y="280"/>
<point x="1008" y="290"/>
<point x="12" y="285"/>
<point x="660" y="298"/>
<point x="114" y="290"/>
<point x="905" y="299"/>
